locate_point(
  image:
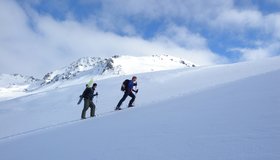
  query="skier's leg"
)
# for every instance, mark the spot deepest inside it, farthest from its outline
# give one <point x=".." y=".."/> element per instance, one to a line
<point x="92" y="109"/>
<point x="121" y="101"/>
<point x="132" y="99"/>
<point x="86" y="105"/>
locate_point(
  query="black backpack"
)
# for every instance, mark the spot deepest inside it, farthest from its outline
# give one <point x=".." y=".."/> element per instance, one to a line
<point x="124" y="85"/>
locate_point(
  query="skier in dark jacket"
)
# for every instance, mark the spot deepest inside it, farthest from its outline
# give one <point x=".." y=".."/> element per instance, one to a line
<point x="127" y="87"/>
<point x="88" y="95"/>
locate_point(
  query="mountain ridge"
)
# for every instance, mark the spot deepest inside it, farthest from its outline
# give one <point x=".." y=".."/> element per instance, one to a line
<point x="87" y="68"/>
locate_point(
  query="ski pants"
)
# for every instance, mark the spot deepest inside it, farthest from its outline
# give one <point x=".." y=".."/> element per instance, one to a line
<point x="130" y="94"/>
<point x="88" y="104"/>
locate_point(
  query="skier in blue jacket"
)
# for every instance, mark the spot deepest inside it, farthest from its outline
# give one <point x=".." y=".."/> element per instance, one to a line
<point x="127" y="87"/>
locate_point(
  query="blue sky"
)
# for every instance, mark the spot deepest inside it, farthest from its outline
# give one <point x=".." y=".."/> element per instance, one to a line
<point x="205" y="32"/>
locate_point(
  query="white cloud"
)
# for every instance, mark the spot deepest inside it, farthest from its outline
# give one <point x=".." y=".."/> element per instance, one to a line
<point x="266" y="50"/>
<point x="183" y="37"/>
<point x="192" y="45"/>
<point x="268" y="47"/>
<point x="274" y="2"/>
<point x="187" y="10"/>
<point x="56" y="43"/>
<point x="86" y="40"/>
<point x="51" y="44"/>
<point x="17" y="40"/>
<point x="236" y="20"/>
<point x="220" y="15"/>
<point x="253" y="54"/>
<point x="271" y="25"/>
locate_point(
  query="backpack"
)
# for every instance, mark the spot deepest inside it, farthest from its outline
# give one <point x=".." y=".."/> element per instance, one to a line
<point x="124" y="85"/>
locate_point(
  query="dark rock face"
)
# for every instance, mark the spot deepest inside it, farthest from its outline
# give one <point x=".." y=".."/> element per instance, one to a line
<point x="98" y="65"/>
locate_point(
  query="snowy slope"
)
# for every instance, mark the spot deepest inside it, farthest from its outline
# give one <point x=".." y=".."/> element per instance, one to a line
<point x="220" y="112"/>
<point x="14" y="85"/>
<point x="132" y="65"/>
<point x="9" y="80"/>
<point x="80" y="71"/>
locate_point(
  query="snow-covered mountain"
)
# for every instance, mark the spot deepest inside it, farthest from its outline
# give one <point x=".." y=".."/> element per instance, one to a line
<point x="216" y="112"/>
<point x="95" y="65"/>
<point x="116" y="65"/>
<point x="86" y="68"/>
<point x="12" y="80"/>
<point x="14" y="85"/>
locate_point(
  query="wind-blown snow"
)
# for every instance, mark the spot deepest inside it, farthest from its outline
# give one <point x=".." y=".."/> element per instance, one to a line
<point x="220" y="112"/>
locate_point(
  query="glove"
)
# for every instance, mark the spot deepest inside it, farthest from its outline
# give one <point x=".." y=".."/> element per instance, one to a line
<point x="136" y="91"/>
<point x="81" y="96"/>
<point x="96" y="93"/>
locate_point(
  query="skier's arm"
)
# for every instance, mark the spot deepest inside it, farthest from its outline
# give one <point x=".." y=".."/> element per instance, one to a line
<point x="136" y="91"/>
<point x="96" y="94"/>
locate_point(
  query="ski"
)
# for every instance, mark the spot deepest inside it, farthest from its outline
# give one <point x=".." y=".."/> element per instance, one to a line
<point x="80" y="100"/>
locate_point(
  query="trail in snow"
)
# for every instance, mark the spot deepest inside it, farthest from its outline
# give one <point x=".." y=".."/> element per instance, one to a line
<point x="62" y="124"/>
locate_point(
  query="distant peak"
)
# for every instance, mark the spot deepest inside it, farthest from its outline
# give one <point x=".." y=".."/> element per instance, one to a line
<point x="97" y="66"/>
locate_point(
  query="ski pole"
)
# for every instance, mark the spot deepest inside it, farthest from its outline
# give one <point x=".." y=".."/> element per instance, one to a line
<point x="135" y="95"/>
<point x="96" y="99"/>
